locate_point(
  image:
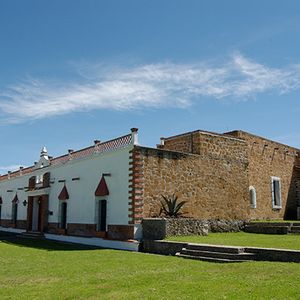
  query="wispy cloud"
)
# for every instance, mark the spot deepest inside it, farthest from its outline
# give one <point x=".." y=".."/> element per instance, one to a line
<point x="5" y="169"/>
<point x="152" y="85"/>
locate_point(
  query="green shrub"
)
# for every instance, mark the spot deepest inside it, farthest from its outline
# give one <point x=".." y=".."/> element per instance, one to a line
<point x="170" y="207"/>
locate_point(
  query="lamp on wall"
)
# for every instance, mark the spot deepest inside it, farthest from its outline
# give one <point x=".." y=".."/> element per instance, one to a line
<point x="25" y="202"/>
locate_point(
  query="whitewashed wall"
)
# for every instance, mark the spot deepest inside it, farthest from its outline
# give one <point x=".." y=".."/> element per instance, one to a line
<point x="82" y="200"/>
<point x="7" y="197"/>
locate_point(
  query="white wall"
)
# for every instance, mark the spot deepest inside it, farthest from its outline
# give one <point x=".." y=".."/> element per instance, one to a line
<point x="82" y="200"/>
<point x="7" y="197"/>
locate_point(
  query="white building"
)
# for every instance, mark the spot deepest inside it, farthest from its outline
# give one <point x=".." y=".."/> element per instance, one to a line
<point x="82" y="193"/>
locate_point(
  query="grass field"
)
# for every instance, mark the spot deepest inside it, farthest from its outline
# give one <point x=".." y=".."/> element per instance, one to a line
<point x="48" y="270"/>
<point x="286" y="241"/>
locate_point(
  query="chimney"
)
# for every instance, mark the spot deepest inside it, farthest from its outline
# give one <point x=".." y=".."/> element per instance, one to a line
<point x="96" y="144"/>
<point x="134" y="133"/>
<point x="70" y="151"/>
<point x="8" y="174"/>
<point x="21" y="170"/>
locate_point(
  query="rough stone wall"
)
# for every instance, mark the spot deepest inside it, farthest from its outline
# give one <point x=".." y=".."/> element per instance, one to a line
<point x="186" y="226"/>
<point x="226" y="225"/>
<point x="266" y="159"/>
<point x="180" y="143"/>
<point x="208" y="144"/>
<point x="159" y="228"/>
<point x="214" y="188"/>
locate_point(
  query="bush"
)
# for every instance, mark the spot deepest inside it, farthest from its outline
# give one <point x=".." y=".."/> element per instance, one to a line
<point x="170" y="206"/>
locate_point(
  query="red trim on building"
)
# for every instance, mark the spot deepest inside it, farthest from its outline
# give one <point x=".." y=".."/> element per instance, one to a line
<point x="64" y="195"/>
<point x="116" y="143"/>
<point x="102" y="189"/>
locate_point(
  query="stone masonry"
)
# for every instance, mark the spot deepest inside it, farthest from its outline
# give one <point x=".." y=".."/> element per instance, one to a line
<point x="208" y="184"/>
<point x="268" y="158"/>
<point x="213" y="173"/>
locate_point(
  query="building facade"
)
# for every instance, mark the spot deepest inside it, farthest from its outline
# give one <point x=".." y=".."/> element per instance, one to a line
<point x="107" y="189"/>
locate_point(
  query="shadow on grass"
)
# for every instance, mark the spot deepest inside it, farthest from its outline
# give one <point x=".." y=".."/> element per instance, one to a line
<point x="42" y="244"/>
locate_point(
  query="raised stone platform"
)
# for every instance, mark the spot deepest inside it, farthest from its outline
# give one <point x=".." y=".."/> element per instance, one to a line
<point x="273" y="227"/>
<point x="214" y="253"/>
<point x="219" y="253"/>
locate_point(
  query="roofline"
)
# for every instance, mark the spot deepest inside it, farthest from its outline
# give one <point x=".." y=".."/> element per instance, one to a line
<point x="204" y="132"/>
<point x="30" y="168"/>
<point x="263" y="138"/>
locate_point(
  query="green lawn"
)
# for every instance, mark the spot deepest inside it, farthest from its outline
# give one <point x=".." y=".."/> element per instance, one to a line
<point x="244" y="239"/>
<point x="47" y="270"/>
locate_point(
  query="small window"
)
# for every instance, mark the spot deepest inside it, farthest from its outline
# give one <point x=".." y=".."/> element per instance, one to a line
<point x="276" y="192"/>
<point x="252" y="193"/>
<point x="0" y="211"/>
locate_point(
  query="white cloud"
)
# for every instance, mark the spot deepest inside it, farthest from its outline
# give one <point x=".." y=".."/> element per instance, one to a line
<point x="152" y="85"/>
<point x="5" y="169"/>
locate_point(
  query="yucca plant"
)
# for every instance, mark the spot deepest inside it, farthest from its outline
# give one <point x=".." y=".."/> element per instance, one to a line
<point x="170" y="206"/>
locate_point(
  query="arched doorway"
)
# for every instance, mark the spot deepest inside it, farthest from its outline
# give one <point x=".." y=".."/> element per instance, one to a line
<point x="36" y="214"/>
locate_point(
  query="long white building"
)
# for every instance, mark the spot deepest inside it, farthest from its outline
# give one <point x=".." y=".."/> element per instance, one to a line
<point x="82" y="193"/>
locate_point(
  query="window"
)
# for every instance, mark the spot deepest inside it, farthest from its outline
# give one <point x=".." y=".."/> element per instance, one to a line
<point x="39" y="180"/>
<point x="252" y="193"/>
<point x="276" y="192"/>
<point x="101" y="215"/>
<point x="14" y="213"/>
<point x="63" y="215"/>
<point x="0" y="211"/>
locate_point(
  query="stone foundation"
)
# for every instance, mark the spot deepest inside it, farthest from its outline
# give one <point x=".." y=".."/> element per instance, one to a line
<point x="76" y="229"/>
<point x="226" y="225"/>
<point x="21" y="224"/>
<point x="159" y="228"/>
<point x="120" y="232"/>
<point x="81" y="229"/>
<point x="186" y="226"/>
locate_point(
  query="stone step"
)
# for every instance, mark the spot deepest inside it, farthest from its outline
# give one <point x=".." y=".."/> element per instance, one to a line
<point x="209" y="259"/>
<point x="296" y="225"/>
<point x="32" y="234"/>
<point x="222" y="255"/>
<point x="215" y="248"/>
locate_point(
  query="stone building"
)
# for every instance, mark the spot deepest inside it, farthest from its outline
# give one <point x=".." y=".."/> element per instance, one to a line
<point x="235" y="175"/>
<point x="107" y="189"/>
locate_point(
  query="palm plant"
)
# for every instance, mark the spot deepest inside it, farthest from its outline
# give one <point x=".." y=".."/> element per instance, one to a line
<point x="170" y="206"/>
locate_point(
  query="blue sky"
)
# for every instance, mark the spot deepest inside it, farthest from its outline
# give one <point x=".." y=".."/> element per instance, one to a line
<point x="75" y="71"/>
